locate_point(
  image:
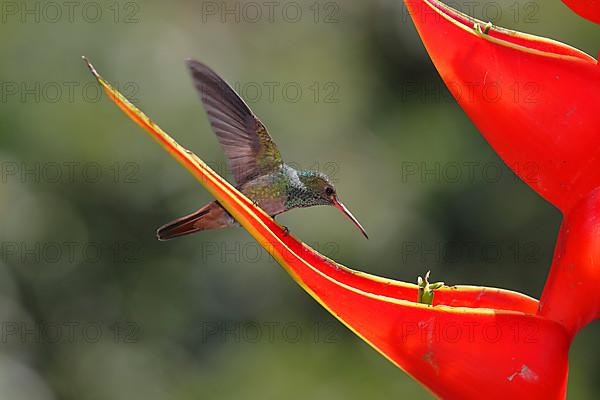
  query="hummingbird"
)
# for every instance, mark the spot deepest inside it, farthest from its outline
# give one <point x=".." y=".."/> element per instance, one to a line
<point x="254" y="160"/>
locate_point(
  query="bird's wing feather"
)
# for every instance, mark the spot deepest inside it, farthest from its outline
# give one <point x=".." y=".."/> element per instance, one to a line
<point x="244" y="138"/>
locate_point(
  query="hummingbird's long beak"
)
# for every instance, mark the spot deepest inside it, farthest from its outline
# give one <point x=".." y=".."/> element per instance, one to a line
<point x="338" y="204"/>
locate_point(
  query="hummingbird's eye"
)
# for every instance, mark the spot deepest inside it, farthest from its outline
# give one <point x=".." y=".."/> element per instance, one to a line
<point x="329" y="191"/>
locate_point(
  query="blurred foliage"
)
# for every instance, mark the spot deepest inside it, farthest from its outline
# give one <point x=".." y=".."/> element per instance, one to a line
<point x="192" y="318"/>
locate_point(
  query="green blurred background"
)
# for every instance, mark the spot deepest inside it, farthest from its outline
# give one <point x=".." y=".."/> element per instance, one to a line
<point x="94" y="307"/>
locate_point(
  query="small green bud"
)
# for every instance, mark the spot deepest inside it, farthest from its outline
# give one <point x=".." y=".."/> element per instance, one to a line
<point x="426" y="290"/>
<point x="485" y="30"/>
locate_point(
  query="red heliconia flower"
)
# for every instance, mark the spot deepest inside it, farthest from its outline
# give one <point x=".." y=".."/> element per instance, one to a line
<point x="472" y="342"/>
<point x="536" y="102"/>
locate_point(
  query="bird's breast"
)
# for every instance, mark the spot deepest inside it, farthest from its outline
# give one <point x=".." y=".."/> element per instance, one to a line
<point x="269" y="192"/>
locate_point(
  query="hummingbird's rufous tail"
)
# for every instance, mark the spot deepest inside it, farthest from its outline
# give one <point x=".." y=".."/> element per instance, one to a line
<point x="211" y="216"/>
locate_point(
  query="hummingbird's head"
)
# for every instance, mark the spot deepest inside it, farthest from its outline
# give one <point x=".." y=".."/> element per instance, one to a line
<point x="319" y="190"/>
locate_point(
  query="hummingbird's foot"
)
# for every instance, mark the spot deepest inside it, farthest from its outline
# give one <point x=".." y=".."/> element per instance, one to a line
<point x="286" y="230"/>
<point x="255" y="202"/>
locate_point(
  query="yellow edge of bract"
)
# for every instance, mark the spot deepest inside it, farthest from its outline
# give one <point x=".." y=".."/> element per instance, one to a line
<point x="222" y="190"/>
<point x="505" y="43"/>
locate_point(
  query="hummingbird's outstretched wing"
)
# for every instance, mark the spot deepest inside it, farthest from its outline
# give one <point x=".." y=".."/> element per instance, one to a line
<point x="244" y="138"/>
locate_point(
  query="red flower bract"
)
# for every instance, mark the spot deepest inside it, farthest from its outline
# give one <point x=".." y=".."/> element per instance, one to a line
<point x="535" y="100"/>
<point x="589" y="9"/>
